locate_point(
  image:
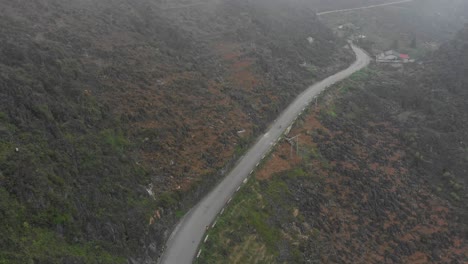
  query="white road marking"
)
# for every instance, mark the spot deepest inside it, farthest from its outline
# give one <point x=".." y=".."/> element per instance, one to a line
<point x="206" y="238"/>
<point x="179" y="247"/>
<point x="199" y="252"/>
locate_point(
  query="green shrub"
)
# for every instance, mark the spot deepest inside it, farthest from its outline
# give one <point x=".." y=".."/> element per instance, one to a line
<point x="296" y="173"/>
<point x="167" y="200"/>
<point x="179" y="213"/>
<point x="267" y="232"/>
<point x="455" y="196"/>
<point x="3" y="116"/>
<point x="115" y="140"/>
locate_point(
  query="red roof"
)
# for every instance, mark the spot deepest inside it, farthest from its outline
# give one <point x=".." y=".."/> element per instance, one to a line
<point x="404" y="56"/>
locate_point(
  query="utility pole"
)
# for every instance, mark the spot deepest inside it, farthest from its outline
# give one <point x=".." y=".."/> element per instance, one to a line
<point x="291" y="140"/>
<point x="297" y="145"/>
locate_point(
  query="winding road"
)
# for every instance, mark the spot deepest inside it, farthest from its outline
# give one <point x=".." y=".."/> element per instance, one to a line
<point x="182" y="246"/>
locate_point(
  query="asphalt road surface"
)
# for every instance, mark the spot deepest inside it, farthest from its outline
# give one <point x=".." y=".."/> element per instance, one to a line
<point x="182" y="246"/>
<point x="363" y="7"/>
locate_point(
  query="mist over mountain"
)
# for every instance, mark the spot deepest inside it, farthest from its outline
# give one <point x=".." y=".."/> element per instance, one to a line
<point x="117" y="116"/>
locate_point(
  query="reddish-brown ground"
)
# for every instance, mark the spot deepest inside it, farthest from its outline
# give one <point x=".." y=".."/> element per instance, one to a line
<point x="193" y="138"/>
<point x="397" y="216"/>
<point x="284" y="157"/>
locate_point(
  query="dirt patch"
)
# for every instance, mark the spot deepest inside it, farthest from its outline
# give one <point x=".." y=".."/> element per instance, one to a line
<point x="278" y="162"/>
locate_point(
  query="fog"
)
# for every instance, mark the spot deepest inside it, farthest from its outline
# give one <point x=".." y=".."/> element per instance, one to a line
<point x="233" y="131"/>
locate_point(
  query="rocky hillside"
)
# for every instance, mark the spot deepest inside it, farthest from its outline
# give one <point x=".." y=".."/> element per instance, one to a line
<point x="379" y="175"/>
<point x="116" y="116"/>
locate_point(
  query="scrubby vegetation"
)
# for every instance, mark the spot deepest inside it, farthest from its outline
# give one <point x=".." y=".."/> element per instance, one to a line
<point x="116" y="116"/>
<point x="380" y="176"/>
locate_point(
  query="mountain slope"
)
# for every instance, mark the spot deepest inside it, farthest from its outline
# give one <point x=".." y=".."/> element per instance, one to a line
<point x="115" y="116"/>
<point x="379" y="175"/>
